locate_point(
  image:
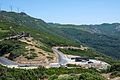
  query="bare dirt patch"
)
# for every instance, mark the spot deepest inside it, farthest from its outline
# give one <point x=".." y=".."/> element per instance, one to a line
<point x="42" y="57"/>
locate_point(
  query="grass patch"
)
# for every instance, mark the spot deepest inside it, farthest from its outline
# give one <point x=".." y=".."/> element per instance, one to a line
<point x="84" y="53"/>
<point x="1" y="30"/>
<point x="31" y="56"/>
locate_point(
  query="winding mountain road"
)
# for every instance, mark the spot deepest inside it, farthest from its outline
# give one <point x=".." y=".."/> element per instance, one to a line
<point x="62" y="59"/>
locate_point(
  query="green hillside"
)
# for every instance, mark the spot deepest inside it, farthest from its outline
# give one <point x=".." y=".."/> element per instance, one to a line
<point x="49" y="35"/>
<point x="104" y="38"/>
<point x="12" y="24"/>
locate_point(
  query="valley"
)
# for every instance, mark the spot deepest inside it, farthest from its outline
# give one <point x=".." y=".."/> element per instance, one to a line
<point x="32" y="48"/>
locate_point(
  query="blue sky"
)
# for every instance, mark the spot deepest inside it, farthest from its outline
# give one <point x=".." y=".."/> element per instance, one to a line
<point x="68" y="11"/>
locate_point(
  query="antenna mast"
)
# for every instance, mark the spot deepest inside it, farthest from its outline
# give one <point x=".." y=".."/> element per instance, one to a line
<point x="0" y="7"/>
<point x="11" y="6"/>
<point x="18" y="10"/>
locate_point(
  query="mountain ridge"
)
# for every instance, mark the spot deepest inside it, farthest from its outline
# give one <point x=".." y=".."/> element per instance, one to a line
<point x="94" y="36"/>
<point x="104" y="38"/>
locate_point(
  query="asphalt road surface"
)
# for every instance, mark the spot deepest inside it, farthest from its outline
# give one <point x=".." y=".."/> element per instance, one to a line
<point x="62" y="59"/>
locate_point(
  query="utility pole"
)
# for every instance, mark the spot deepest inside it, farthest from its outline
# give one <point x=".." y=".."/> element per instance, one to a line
<point x="18" y="10"/>
<point x="11" y="8"/>
<point x="0" y="7"/>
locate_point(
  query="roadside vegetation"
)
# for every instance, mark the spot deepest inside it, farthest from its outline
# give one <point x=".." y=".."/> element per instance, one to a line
<point x="50" y="74"/>
<point x="114" y="70"/>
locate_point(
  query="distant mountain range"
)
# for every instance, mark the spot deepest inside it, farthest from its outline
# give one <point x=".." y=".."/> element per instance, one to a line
<point x="104" y="38"/>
